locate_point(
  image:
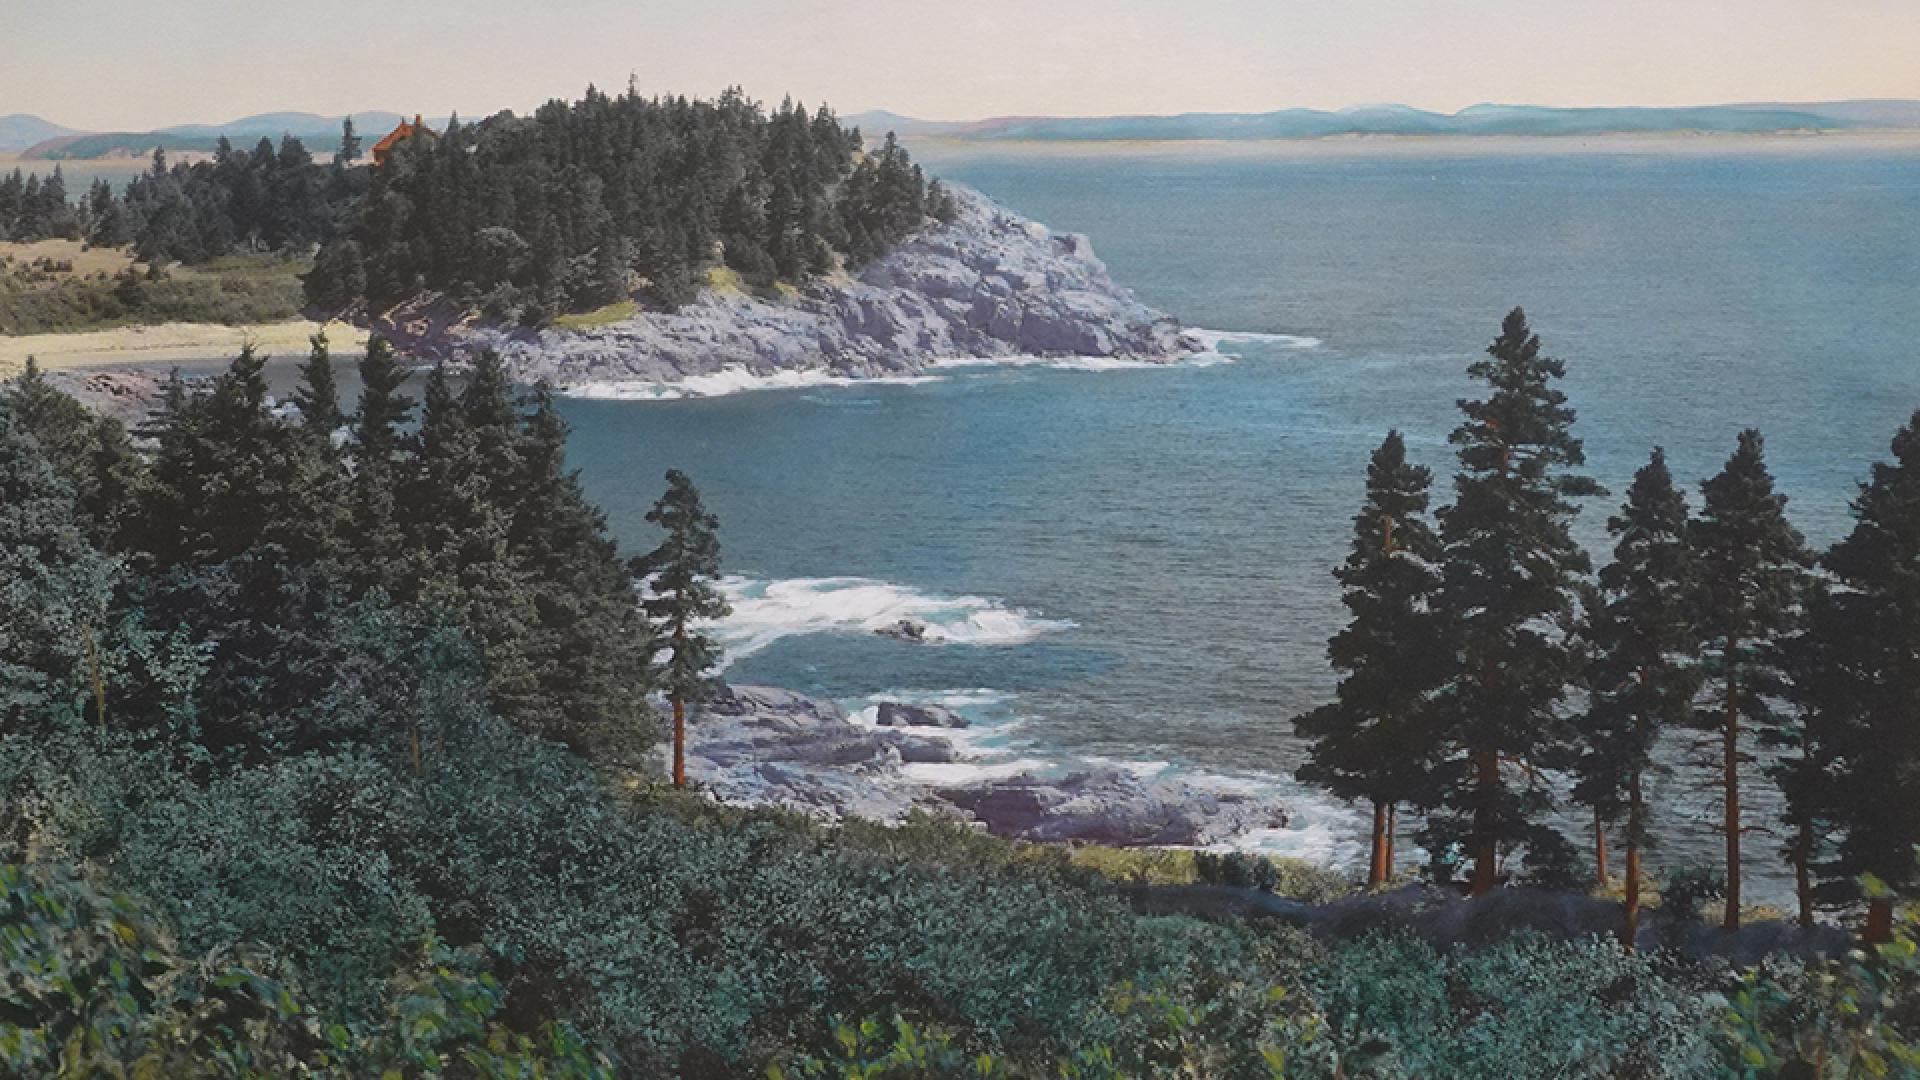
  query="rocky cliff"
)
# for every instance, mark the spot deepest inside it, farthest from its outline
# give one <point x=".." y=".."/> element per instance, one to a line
<point x="989" y="284"/>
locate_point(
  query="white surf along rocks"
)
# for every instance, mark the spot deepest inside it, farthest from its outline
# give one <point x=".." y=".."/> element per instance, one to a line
<point x="988" y="285"/>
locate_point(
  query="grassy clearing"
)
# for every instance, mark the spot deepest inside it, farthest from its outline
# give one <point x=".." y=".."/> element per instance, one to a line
<point x="61" y="287"/>
<point x="593" y="320"/>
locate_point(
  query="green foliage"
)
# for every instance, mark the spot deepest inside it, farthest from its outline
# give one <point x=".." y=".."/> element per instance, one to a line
<point x="237" y="291"/>
<point x="1855" y="1017"/>
<point x="1524" y="1007"/>
<point x="89" y="987"/>
<point x="1510" y="569"/>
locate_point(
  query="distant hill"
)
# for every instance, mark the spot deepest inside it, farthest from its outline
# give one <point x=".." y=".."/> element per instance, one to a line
<point x="300" y="125"/>
<point x="1754" y="118"/>
<point x="320" y="133"/>
<point x="19" y="131"/>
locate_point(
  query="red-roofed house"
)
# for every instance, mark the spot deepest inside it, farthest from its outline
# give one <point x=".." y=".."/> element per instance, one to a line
<point x="399" y="135"/>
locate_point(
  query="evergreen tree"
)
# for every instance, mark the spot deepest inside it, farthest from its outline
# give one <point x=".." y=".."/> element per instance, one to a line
<point x="92" y="454"/>
<point x="1511" y="566"/>
<point x="1374" y="742"/>
<point x="318" y="396"/>
<point x="679" y="577"/>
<point x="379" y="465"/>
<point x="1752" y="569"/>
<point x="1861" y="687"/>
<point x="55" y="589"/>
<point x="349" y="150"/>
<point x="1641" y="677"/>
<point x="594" y="649"/>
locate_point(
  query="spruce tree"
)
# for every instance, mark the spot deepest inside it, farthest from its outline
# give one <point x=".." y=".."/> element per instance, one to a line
<point x="318" y="396"/>
<point x="1860" y="683"/>
<point x="379" y="467"/>
<point x="1752" y="566"/>
<point x="1641" y="675"/>
<point x="55" y="589"/>
<point x="1374" y="741"/>
<point x="679" y="578"/>
<point x="1511" y="568"/>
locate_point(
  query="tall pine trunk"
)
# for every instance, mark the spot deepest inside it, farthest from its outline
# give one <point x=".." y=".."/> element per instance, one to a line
<point x="1879" y="929"/>
<point x="1599" y="849"/>
<point x="1803" y="872"/>
<point x="1485" y="850"/>
<point x="1630" y="928"/>
<point x="679" y="742"/>
<point x="1377" y="863"/>
<point x="1393" y="834"/>
<point x="1730" y="765"/>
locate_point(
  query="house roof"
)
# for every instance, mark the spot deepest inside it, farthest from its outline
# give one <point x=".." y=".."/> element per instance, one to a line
<point x="402" y="133"/>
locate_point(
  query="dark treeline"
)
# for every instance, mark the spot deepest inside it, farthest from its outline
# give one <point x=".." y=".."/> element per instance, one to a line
<point x="35" y="209"/>
<point x="1489" y="676"/>
<point x="286" y="543"/>
<point x="574" y="206"/>
<point x="571" y="208"/>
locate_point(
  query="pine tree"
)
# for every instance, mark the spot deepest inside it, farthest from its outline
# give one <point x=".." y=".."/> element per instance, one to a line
<point x="57" y="588"/>
<point x="1641" y="676"/>
<point x="1752" y="569"/>
<point x="318" y="396"/>
<point x="1511" y="566"/>
<point x="379" y="466"/>
<point x="595" y="648"/>
<point x="679" y="577"/>
<point x="1861" y="687"/>
<point x="1374" y="742"/>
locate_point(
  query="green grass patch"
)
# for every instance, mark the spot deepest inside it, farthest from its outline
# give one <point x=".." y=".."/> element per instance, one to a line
<point x="236" y="290"/>
<point x="615" y="312"/>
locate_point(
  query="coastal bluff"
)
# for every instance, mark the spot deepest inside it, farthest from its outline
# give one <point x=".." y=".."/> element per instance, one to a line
<point x="987" y="285"/>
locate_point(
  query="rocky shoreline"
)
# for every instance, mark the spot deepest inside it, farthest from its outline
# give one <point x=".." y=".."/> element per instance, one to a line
<point x="987" y="285"/>
<point x="761" y="746"/>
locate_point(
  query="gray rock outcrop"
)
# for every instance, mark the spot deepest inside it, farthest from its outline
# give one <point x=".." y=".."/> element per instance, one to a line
<point x="989" y="284"/>
<point x="900" y="714"/>
<point x="762" y="746"/>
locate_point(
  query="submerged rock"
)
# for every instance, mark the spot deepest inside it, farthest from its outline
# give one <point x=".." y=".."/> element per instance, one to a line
<point x="905" y="630"/>
<point x="1112" y="806"/>
<point x="756" y="745"/>
<point x="989" y="284"/>
<point x="900" y="714"/>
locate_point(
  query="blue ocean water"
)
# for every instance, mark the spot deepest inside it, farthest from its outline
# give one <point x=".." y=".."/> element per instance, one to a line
<point x="1134" y="564"/>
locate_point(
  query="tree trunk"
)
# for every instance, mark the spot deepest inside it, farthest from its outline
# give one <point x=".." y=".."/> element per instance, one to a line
<point x="1393" y="834"/>
<point x="679" y="742"/>
<point x="1630" y="928"/>
<point x="1879" y="921"/>
<point x="1485" y="850"/>
<point x="1803" y="873"/>
<point x="1730" y="749"/>
<point x="1377" y="862"/>
<point x="1599" y="849"/>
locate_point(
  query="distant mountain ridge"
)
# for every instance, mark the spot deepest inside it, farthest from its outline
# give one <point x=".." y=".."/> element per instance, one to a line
<point x="19" y="131"/>
<point x="34" y="138"/>
<point x="56" y="143"/>
<point x="1745" y="118"/>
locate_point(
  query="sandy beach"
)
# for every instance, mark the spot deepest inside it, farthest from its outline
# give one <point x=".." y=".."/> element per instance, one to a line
<point x="168" y="344"/>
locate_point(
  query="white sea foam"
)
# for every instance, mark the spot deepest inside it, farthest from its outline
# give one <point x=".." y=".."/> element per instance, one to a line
<point x="1214" y="339"/>
<point x="732" y="379"/>
<point x="766" y="611"/>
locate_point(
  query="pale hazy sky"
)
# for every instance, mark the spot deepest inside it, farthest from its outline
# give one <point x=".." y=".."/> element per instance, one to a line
<point x="136" y="64"/>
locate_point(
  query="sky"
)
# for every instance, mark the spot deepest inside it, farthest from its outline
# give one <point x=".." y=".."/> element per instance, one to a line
<point x="138" y="64"/>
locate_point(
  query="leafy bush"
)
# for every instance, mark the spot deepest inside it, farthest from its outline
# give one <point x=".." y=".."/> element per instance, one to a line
<point x="1526" y="1007"/>
<point x="1854" y="1017"/>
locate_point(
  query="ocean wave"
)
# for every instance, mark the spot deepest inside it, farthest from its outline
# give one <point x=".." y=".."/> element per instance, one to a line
<point x="733" y="379"/>
<point x="767" y="611"/>
<point x="1213" y="339"/>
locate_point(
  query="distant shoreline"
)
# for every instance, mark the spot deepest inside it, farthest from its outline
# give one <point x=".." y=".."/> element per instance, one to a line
<point x="163" y="346"/>
<point x="1704" y="141"/>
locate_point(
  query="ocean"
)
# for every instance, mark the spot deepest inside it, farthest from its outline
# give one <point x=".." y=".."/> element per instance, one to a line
<point x="1131" y="565"/>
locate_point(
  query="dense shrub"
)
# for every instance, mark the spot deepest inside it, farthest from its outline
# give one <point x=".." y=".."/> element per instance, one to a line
<point x="1525" y="1007"/>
